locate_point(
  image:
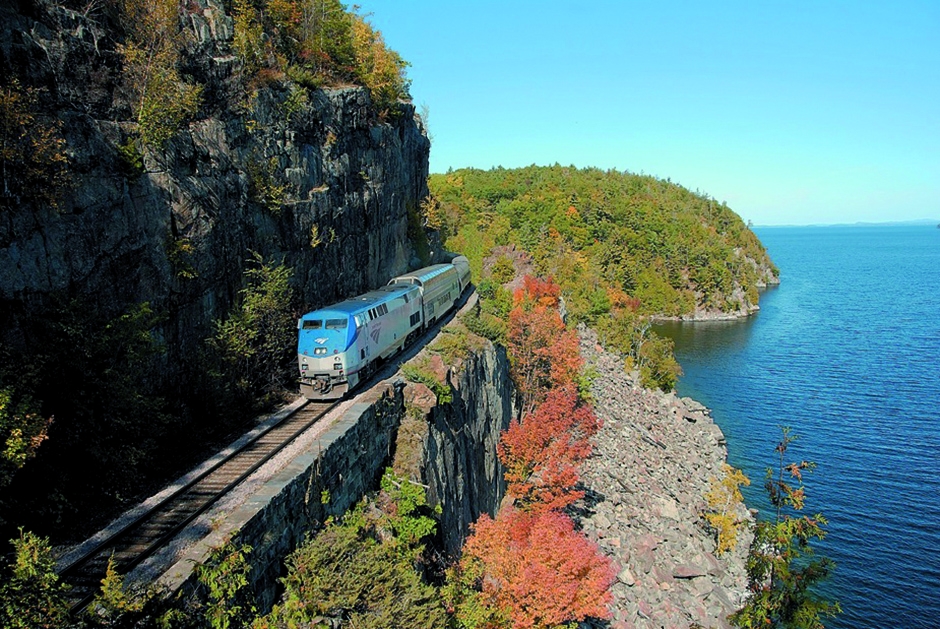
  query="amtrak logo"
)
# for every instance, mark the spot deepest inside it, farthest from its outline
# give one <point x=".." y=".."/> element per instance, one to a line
<point x="374" y="334"/>
<point x="320" y="341"/>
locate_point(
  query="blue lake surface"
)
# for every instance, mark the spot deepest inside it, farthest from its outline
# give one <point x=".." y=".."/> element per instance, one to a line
<point x="846" y="351"/>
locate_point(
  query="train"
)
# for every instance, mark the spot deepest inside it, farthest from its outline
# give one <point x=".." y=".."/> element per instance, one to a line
<point x="340" y="346"/>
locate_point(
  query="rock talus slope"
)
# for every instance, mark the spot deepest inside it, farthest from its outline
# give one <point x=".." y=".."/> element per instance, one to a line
<point x="652" y="464"/>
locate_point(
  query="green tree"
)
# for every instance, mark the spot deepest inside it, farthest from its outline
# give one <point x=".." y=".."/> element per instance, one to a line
<point x="255" y="342"/>
<point x="32" y="597"/>
<point x="363" y="571"/>
<point x="781" y="567"/>
<point x="160" y="98"/>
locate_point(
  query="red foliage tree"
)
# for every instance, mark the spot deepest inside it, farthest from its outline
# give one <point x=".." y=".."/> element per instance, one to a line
<point x="544" y="354"/>
<point x="541" y="453"/>
<point x="528" y="568"/>
<point x="537" y="569"/>
<point x="540" y="291"/>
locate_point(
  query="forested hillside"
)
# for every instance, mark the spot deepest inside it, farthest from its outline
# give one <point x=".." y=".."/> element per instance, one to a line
<point x="624" y="248"/>
<point x="606" y="234"/>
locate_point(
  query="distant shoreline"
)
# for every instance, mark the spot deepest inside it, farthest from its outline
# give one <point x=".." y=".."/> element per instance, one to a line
<point x="921" y="222"/>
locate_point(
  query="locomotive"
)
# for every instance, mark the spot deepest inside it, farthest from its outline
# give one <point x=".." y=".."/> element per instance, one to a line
<point x="341" y="345"/>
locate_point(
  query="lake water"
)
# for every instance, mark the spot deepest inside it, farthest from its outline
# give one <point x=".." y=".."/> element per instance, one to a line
<point x="846" y="351"/>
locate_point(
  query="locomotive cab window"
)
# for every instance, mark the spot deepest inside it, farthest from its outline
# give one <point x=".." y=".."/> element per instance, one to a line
<point x="312" y="324"/>
<point x="336" y="324"/>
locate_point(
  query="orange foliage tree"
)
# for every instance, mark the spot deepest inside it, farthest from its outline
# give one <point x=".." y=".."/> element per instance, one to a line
<point x="541" y="452"/>
<point x="544" y="354"/>
<point x="535" y="569"/>
<point x="529" y="568"/>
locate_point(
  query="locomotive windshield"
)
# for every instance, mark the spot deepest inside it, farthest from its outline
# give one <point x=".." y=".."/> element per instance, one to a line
<point x="312" y="324"/>
<point x="336" y="324"/>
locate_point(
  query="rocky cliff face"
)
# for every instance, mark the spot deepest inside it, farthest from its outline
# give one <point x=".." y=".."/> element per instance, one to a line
<point x="312" y="178"/>
<point x="451" y="447"/>
<point x="460" y="464"/>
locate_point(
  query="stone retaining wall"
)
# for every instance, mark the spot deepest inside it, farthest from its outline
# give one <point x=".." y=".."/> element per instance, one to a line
<point x="323" y="480"/>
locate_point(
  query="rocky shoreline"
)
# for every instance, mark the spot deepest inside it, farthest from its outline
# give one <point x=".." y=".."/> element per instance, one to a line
<point x="645" y="483"/>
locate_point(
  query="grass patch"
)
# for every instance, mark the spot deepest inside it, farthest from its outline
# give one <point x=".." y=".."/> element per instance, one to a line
<point x="420" y="372"/>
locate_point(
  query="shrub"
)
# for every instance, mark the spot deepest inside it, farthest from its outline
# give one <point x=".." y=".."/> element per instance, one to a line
<point x="419" y="372"/>
<point x="161" y="100"/>
<point x="503" y="270"/>
<point x="453" y="344"/>
<point x="117" y="605"/>
<point x="31" y="596"/>
<point x="179" y="253"/>
<point x="33" y="164"/>
<point x="408" y="513"/>
<point x="723" y="499"/>
<point x="224" y="578"/>
<point x="22" y="431"/>
<point x="263" y="186"/>
<point x="361" y="572"/>
<point x="494" y="299"/>
<point x="485" y="325"/>
<point x="132" y="162"/>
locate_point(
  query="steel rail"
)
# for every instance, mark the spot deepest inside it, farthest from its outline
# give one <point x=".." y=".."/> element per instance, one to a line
<point x="88" y="581"/>
<point x="177" y="510"/>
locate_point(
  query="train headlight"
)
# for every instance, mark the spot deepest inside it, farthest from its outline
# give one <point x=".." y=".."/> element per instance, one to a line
<point x="303" y="367"/>
<point x="338" y="366"/>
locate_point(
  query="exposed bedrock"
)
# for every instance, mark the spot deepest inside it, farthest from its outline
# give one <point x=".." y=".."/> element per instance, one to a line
<point x="179" y="233"/>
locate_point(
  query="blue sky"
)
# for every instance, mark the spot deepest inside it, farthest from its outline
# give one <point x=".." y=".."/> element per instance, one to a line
<point x="792" y="113"/>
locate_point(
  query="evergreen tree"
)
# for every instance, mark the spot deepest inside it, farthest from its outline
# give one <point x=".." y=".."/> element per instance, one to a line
<point x="781" y="567"/>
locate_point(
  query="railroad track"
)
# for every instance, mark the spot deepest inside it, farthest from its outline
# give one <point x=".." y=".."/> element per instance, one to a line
<point x="149" y="531"/>
<point x="154" y="527"/>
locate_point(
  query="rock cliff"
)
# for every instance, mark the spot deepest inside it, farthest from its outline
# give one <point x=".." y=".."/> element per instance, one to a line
<point x="450" y="447"/>
<point x="460" y="465"/>
<point x="310" y="177"/>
